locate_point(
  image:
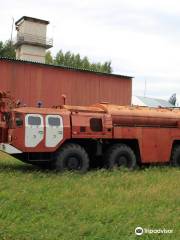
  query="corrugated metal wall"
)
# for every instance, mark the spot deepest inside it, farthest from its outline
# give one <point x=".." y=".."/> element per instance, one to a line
<point x="30" y="83"/>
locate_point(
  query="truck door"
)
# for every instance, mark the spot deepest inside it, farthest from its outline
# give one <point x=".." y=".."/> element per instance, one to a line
<point x="34" y="130"/>
<point x="54" y="130"/>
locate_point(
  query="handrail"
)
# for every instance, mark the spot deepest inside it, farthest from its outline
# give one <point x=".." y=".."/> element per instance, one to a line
<point x="31" y="38"/>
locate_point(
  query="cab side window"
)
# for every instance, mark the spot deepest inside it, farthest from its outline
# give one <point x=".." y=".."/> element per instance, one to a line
<point x="19" y="119"/>
<point x="96" y="124"/>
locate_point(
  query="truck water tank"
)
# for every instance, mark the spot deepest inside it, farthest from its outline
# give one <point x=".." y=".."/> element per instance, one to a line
<point x="141" y="116"/>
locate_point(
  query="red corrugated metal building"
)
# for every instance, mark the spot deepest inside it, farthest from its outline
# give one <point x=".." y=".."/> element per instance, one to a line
<point x="32" y="82"/>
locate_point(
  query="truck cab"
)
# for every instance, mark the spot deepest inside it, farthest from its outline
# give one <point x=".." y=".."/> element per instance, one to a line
<point x="38" y="130"/>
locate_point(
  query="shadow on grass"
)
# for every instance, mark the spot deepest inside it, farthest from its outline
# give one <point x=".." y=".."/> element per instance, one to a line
<point x="22" y="167"/>
<point x="7" y="167"/>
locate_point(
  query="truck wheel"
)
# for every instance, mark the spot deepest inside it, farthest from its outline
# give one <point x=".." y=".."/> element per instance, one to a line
<point x="120" y="155"/>
<point x="72" y="157"/>
<point x="176" y="157"/>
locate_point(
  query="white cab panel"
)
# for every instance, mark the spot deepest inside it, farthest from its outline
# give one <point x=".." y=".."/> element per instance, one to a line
<point x="54" y="130"/>
<point x="34" y="130"/>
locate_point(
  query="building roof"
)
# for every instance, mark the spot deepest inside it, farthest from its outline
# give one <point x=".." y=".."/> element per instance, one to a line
<point x="153" y="102"/>
<point x="31" y="19"/>
<point x="64" y="67"/>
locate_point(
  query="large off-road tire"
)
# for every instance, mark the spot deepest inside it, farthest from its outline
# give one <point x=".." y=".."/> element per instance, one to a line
<point x="72" y="157"/>
<point x="175" y="160"/>
<point x="120" y="155"/>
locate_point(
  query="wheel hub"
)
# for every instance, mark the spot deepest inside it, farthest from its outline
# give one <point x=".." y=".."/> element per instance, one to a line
<point x="73" y="163"/>
<point x="121" y="161"/>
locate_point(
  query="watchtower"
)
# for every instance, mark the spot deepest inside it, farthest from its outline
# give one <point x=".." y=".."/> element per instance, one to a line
<point x="31" y="42"/>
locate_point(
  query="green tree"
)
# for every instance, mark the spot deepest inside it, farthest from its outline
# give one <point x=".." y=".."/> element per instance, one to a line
<point x="106" y="67"/>
<point x="7" y="49"/>
<point x="77" y="61"/>
<point x="85" y="63"/>
<point x="59" y="59"/>
<point x="71" y="60"/>
<point x="48" y="58"/>
<point x="93" y="67"/>
<point x="67" y="59"/>
<point x="98" y="67"/>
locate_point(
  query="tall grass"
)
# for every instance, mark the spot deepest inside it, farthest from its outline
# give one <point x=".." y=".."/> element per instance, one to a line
<point x="101" y="204"/>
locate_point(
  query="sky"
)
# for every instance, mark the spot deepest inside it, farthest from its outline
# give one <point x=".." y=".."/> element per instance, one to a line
<point x="141" y="38"/>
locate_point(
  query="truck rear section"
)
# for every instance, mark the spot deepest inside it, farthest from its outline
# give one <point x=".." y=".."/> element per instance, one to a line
<point x="72" y="137"/>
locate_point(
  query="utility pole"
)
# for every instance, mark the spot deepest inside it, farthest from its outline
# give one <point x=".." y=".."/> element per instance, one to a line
<point x="12" y="30"/>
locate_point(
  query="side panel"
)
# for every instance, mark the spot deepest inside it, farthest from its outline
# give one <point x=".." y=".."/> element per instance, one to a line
<point x="155" y="143"/>
<point x="82" y="125"/>
<point x="34" y="130"/>
<point x="54" y="130"/>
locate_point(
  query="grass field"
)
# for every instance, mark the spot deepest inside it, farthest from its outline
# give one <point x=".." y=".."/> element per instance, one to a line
<point x="101" y="204"/>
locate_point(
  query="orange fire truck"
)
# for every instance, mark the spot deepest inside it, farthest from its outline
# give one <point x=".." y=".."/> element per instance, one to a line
<point x="71" y="137"/>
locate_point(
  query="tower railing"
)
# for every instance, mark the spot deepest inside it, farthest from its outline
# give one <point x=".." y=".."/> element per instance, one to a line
<point x="26" y="38"/>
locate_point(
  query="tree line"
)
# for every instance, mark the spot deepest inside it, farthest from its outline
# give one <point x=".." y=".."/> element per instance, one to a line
<point x="66" y="59"/>
<point x="7" y="49"/>
<point x="75" y="60"/>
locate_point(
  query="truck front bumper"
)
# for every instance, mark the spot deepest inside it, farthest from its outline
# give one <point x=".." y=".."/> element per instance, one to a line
<point x="7" y="148"/>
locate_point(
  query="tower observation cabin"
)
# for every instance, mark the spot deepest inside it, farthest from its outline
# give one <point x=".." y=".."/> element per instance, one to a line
<point x="31" y="41"/>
